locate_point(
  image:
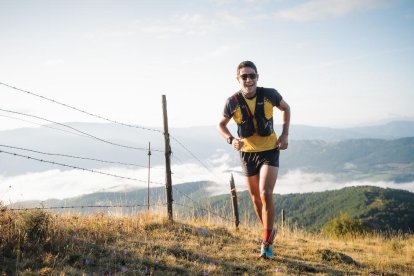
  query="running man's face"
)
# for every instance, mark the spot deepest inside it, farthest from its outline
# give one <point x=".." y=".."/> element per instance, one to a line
<point x="248" y="80"/>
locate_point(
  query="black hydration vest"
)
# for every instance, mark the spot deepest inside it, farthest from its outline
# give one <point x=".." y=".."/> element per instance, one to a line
<point x="246" y="127"/>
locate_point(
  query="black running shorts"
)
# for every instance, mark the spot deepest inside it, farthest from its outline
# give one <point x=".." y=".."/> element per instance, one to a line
<point x="253" y="161"/>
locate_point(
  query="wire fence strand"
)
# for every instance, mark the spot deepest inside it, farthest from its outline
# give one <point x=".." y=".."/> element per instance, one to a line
<point x="112" y="121"/>
<point x="77" y="130"/>
<point x="86" y="206"/>
<point x="75" y="157"/>
<point x="78" y="109"/>
<point x="46" y="126"/>
<point x="205" y="210"/>
<point x="76" y="167"/>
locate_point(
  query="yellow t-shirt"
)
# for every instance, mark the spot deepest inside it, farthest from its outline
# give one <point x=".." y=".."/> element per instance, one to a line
<point x="255" y="143"/>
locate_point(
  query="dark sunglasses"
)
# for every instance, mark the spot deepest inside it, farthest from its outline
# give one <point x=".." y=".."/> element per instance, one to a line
<point x="250" y="76"/>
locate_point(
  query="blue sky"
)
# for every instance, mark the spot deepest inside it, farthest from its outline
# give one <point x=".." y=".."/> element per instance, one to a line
<point x="337" y="63"/>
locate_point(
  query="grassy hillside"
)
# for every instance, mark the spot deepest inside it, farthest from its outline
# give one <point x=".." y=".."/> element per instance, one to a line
<point x="378" y="209"/>
<point x="40" y="243"/>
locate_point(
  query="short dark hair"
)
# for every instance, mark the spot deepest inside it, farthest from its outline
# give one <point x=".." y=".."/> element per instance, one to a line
<point x="246" y="63"/>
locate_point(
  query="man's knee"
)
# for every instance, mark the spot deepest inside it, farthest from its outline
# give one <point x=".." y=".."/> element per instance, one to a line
<point x="256" y="198"/>
<point x="266" y="196"/>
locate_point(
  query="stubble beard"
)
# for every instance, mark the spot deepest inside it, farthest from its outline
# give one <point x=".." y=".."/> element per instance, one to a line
<point x="249" y="91"/>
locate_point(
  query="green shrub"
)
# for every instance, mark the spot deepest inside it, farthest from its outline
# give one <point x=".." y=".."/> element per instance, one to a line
<point x="343" y="226"/>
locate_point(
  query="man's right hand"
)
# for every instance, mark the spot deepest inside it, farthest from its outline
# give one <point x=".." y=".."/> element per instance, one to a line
<point x="237" y="144"/>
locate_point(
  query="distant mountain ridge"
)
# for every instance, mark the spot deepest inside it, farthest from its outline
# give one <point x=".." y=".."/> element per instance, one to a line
<point x="377" y="208"/>
<point x="356" y="159"/>
<point x="315" y="145"/>
<point x="390" y="130"/>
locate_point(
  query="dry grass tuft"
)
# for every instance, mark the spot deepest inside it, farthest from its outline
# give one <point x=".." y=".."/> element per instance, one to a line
<point x="42" y="243"/>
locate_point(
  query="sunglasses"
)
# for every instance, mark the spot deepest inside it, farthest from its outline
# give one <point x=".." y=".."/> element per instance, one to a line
<point x="250" y="76"/>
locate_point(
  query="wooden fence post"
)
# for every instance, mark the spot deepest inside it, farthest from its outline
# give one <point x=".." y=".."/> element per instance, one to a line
<point x="168" y="182"/>
<point x="234" y="201"/>
<point x="149" y="174"/>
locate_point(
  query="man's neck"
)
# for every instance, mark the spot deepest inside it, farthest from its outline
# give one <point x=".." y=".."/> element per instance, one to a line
<point x="249" y="95"/>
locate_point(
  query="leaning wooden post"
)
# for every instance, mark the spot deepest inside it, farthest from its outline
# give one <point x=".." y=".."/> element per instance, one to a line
<point x="282" y="220"/>
<point x="234" y="201"/>
<point x="168" y="182"/>
<point x="149" y="173"/>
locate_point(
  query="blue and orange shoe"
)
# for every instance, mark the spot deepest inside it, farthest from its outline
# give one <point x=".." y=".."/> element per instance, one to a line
<point x="266" y="251"/>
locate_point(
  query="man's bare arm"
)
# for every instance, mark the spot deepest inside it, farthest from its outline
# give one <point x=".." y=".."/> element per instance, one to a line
<point x="225" y="132"/>
<point x="222" y="127"/>
<point x="282" y="142"/>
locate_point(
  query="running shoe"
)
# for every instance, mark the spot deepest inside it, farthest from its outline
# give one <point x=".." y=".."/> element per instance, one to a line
<point x="266" y="250"/>
<point x="266" y="247"/>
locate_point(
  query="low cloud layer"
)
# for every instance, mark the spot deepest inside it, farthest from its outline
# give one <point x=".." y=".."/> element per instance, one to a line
<point x="64" y="184"/>
<point x="324" y="9"/>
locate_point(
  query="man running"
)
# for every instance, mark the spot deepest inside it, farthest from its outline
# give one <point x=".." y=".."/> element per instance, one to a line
<point x="252" y="110"/>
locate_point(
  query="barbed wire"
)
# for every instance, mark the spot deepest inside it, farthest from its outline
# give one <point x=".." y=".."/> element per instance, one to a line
<point x="76" y="167"/>
<point x="115" y="206"/>
<point x="75" y="157"/>
<point x="197" y="159"/>
<point x="78" y="109"/>
<point x="47" y="126"/>
<point x="195" y="202"/>
<point x="206" y="210"/>
<point x="114" y="121"/>
<point x="79" y="131"/>
<point x="86" y="206"/>
<point x="187" y="196"/>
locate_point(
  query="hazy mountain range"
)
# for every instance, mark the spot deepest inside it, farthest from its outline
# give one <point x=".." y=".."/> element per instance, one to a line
<point x="382" y="152"/>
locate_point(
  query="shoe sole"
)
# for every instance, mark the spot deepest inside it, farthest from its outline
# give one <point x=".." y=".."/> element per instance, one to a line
<point x="263" y="256"/>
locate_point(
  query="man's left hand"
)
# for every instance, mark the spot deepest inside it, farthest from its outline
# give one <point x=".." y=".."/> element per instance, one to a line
<point x="282" y="142"/>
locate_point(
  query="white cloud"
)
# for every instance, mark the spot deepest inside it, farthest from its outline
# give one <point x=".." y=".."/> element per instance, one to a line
<point x="323" y="9"/>
<point x="186" y="24"/>
<point x="227" y="18"/>
<point x="111" y="33"/>
<point x="219" y="52"/>
<point x="64" y="184"/>
<point x="296" y="181"/>
<point x="196" y="24"/>
<point x="220" y="158"/>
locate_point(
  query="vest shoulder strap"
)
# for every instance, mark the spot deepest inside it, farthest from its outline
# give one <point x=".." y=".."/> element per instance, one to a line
<point x="243" y="106"/>
<point x="259" y="109"/>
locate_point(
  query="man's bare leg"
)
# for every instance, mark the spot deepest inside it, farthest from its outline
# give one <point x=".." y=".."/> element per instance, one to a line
<point x="267" y="182"/>
<point x="254" y="190"/>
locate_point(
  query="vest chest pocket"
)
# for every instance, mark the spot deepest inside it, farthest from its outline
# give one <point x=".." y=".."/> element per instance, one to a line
<point x="246" y="128"/>
<point x="264" y="126"/>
